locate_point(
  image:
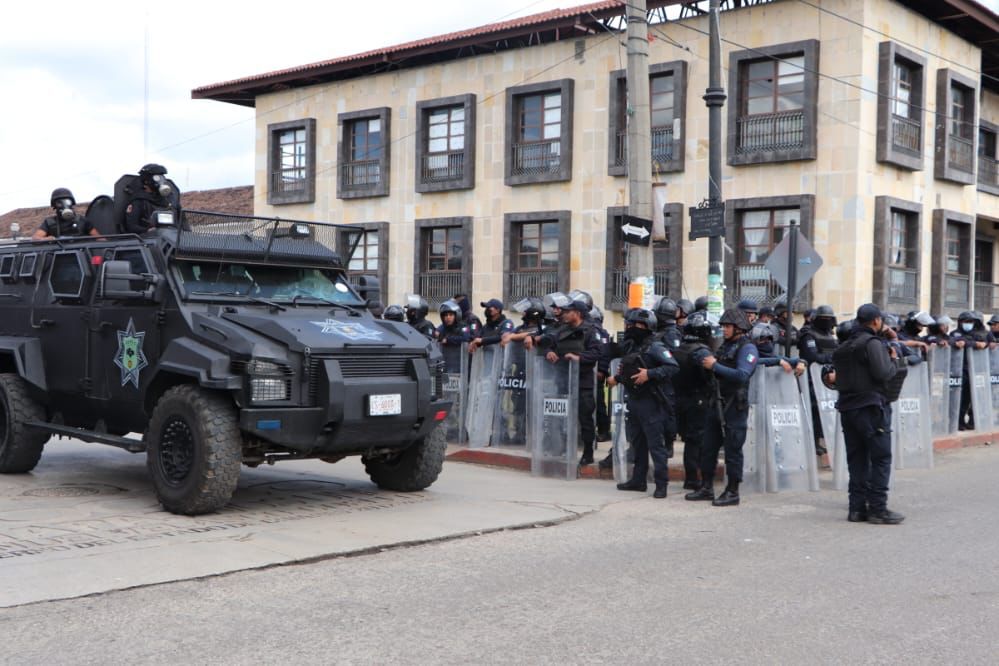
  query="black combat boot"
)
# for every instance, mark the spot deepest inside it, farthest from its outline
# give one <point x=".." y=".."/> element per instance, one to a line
<point x="633" y="484"/>
<point x="660" y="491"/>
<point x="730" y="497"/>
<point x="704" y="493"/>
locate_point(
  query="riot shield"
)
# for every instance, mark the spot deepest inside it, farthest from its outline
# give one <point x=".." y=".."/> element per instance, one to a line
<point x="911" y="421"/>
<point x="553" y="416"/>
<point x="979" y="373"/>
<point x="455" y="389"/>
<point x="994" y="381"/>
<point x="790" y="448"/>
<point x="619" y="438"/>
<point x="938" y="360"/>
<point x="510" y="421"/>
<point x="831" y="426"/>
<point x="955" y="382"/>
<point x="482" y="389"/>
<point x="754" y="450"/>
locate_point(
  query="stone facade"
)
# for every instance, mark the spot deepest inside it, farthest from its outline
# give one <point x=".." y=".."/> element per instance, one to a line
<point x="840" y="182"/>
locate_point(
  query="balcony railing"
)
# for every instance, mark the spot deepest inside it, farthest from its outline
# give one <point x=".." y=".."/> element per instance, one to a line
<point x="662" y="147"/>
<point x="619" y="286"/>
<point x="532" y="283"/>
<point x="903" y="285"/>
<point x="362" y="173"/>
<point x="988" y="171"/>
<point x="986" y="296"/>
<point x="753" y="282"/>
<point x="906" y="134"/>
<point x="960" y="154"/>
<point x="439" y="286"/>
<point x="443" y="167"/>
<point x="955" y="291"/>
<point x="771" y="131"/>
<point x="537" y="158"/>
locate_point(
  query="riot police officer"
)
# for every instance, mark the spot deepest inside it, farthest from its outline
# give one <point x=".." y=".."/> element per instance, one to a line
<point x="782" y="317"/>
<point x="468" y="318"/>
<point x="416" y="315"/>
<point x="154" y="197"/>
<point x="451" y="335"/>
<point x="603" y="368"/>
<point x="684" y="309"/>
<point x="394" y="313"/>
<point x="666" y="328"/>
<point x="497" y="325"/>
<point x="64" y="221"/>
<point x="816" y="344"/>
<point x="970" y="334"/>
<point x="694" y="390"/>
<point x="749" y="306"/>
<point x="575" y="339"/>
<point x="646" y="369"/>
<point x="864" y="367"/>
<point x="728" y="416"/>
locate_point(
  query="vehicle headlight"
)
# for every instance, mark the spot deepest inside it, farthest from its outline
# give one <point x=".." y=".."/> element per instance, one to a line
<point x="268" y="388"/>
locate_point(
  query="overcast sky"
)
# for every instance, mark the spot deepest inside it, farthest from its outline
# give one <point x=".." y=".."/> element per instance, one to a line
<point x="72" y="76"/>
<point x="73" y="82"/>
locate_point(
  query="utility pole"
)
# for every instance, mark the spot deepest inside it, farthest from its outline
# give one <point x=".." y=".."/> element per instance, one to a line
<point x="714" y="98"/>
<point x="640" y="264"/>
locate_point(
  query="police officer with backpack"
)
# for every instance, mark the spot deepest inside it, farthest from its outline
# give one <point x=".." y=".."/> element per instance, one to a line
<point x="728" y="415"/>
<point x="865" y="375"/>
<point x="645" y="372"/>
<point x="64" y="221"/>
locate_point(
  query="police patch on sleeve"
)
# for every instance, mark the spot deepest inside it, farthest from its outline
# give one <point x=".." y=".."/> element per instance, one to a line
<point x="666" y="354"/>
<point x="751" y="358"/>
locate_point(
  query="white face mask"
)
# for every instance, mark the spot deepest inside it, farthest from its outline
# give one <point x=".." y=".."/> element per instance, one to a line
<point x="967" y="327"/>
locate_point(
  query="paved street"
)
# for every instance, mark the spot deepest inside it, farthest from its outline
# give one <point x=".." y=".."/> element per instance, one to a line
<point x="781" y="579"/>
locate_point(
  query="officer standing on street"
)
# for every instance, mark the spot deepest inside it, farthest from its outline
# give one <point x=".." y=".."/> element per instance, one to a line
<point x="575" y="339"/>
<point x="646" y="369"/>
<point x="603" y="368"/>
<point x="451" y="335"/>
<point x="416" y="315"/>
<point x="816" y="344"/>
<point x="694" y="391"/>
<point x="666" y="328"/>
<point x="64" y="221"/>
<point x="864" y="366"/>
<point x="496" y="326"/>
<point x="728" y="416"/>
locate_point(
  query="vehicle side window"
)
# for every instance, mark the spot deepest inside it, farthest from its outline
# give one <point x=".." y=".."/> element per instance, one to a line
<point x="135" y="259"/>
<point x="67" y="276"/>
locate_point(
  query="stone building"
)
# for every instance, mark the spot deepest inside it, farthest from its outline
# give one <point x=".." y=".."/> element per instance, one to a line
<point x="492" y="160"/>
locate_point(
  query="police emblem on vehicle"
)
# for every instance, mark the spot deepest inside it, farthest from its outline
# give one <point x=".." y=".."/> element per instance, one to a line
<point x="129" y="357"/>
<point x="348" y="330"/>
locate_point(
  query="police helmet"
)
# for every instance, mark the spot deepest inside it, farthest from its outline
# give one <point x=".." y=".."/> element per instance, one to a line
<point x="556" y="299"/>
<point x="579" y="295"/>
<point x="737" y="318"/>
<point x="967" y="315"/>
<point x="922" y="318"/>
<point x="59" y="194"/>
<point x="701" y="303"/>
<point x="780" y="309"/>
<point x="767" y="311"/>
<point x="684" y="306"/>
<point x="748" y="305"/>
<point x="149" y="170"/>
<point x="890" y="321"/>
<point x="843" y="330"/>
<point x="449" y="306"/>
<point x="824" y="311"/>
<point x="944" y="320"/>
<point x="597" y="316"/>
<point x="665" y="309"/>
<point x="641" y="316"/>
<point x="994" y="319"/>
<point x="763" y="331"/>
<point x="698" y="327"/>
<point x="416" y="307"/>
<point x="394" y="313"/>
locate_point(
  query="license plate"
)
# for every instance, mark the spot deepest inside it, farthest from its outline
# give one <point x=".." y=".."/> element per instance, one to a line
<point x="388" y="404"/>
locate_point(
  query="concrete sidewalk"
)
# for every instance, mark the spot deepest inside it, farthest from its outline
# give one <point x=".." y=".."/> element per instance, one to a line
<point x="86" y="520"/>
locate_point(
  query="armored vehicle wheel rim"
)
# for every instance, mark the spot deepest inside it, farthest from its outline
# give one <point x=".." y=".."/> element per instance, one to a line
<point x="176" y="453"/>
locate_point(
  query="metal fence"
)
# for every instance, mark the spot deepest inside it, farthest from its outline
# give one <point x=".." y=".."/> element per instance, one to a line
<point x="753" y="282"/>
<point x="363" y="173"/>
<point x="619" y="286"/>
<point x="955" y="291"/>
<point x="988" y="171"/>
<point x="960" y="153"/>
<point x="532" y="283"/>
<point x="771" y="131"/>
<point x="538" y="157"/>
<point x="905" y="134"/>
<point x="662" y="147"/>
<point x="985" y="296"/>
<point x="442" y="167"/>
<point x="903" y="284"/>
<point x="439" y="286"/>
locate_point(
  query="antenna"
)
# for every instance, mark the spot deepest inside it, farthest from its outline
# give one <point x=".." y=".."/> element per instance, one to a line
<point x="145" y="95"/>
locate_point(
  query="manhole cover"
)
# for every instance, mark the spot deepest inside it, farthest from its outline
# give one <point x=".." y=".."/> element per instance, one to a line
<point x="71" y="491"/>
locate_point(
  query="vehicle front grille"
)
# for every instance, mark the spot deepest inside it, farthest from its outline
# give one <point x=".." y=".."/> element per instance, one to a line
<point x="361" y="367"/>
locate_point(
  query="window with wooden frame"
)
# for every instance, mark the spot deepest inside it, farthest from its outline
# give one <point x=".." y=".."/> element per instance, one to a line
<point x="364" y="154"/>
<point x="539" y="133"/>
<point x="291" y="159"/>
<point x="954" y="159"/>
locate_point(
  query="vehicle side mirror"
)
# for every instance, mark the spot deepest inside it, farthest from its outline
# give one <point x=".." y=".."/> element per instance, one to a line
<point x="368" y="288"/>
<point x="117" y="281"/>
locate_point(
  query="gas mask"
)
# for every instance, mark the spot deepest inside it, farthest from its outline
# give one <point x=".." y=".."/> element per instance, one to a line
<point x="64" y="209"/>
<point x="160" y="184"/>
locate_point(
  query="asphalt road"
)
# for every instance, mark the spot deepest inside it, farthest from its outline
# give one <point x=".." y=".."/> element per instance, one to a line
<point x="781" y="579"/>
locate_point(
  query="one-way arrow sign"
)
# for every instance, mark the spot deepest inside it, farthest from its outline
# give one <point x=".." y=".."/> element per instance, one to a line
<point x="636" y="230"/>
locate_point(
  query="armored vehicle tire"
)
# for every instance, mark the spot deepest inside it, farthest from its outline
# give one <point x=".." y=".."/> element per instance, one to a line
<point x="194" y="450"/>
<point x="412" y="469"/>
<point x="20" y="446"/>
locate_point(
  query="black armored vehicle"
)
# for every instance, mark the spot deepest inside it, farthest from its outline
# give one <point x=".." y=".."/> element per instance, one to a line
<point x="224" y="340"/>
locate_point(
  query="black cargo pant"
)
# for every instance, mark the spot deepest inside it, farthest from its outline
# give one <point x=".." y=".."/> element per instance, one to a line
<point x="587" y="409"/>
<point x="867" y="433"/>
<point x="649" y="426"/>
<point x="603" y="418"/>
<point x="736" y="421"/>
<point x="691" y="411"/>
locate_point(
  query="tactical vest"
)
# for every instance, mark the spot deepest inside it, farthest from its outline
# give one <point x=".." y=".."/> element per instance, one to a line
<point x="824" y="342"/>
<point x="692" y="377"/>
<point x="571" y="340"/>
<point x="732" y="393"/>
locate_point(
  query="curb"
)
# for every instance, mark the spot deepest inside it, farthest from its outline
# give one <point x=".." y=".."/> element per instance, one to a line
<point x="519" y="460"/>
